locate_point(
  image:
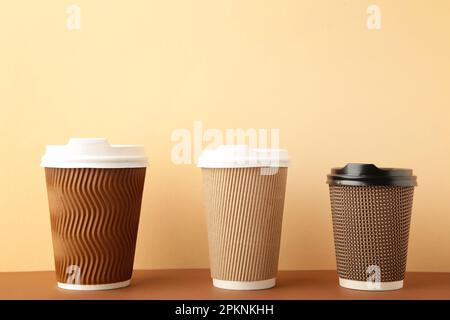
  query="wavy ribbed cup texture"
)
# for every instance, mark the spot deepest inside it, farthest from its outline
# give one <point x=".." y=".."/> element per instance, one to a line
<point x="371" y="229"/>
<point x="94" y="219"/>
<point x="245" y="211"/>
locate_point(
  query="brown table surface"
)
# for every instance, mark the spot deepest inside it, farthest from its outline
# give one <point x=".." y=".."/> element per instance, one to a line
<point x="196" y="284"/>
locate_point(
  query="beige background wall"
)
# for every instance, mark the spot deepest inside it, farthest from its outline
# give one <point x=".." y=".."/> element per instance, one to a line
<point x="137" y="70"/>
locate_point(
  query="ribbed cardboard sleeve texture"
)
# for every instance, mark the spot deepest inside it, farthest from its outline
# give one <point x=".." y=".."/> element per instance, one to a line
<point x="245" y="211"/>
<point x="94" y="219"/>
<point x="371" y="229"/>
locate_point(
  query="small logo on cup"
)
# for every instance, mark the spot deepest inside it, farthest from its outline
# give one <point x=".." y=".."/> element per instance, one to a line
<point x="74" y="274"/>
<point x="373" y="277"/>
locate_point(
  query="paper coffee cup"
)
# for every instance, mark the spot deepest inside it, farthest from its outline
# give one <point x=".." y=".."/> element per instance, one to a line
<point x="94" y="194"/>
<point x="244" y="193"/>
<point x="371" y="210"/>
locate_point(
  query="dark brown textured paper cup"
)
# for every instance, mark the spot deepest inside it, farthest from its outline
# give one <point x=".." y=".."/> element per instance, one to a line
<point x="94" y="219"/>
<point x="94" y="215"/>
<point x="245" y="210"/>
<point x="371" y="212"/>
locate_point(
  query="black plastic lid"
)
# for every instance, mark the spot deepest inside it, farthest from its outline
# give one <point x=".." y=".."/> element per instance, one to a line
<point x="361" y="174"/>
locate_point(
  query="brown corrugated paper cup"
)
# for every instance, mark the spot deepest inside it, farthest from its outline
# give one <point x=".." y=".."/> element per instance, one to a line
<point x="371" y="210"/>
<point x="244" y="192"/>
<point x="94" y="194"/>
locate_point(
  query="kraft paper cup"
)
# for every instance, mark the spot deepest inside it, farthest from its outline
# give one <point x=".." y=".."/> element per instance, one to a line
<point x="94" y="194"/>
<point x="371" y="210"/>
<point x="244" y="193"/>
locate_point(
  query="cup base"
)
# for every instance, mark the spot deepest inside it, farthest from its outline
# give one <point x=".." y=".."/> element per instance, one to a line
<point x="92" y="287"/>
<point x="370" y="286"/>
<point x="244" y="285"/>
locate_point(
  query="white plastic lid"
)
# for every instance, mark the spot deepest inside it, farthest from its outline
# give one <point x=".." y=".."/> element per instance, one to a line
<point x="242" y="156"/>
<point x="94" y="153"/>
